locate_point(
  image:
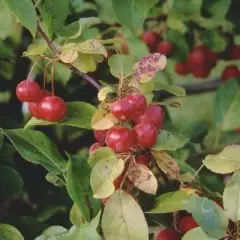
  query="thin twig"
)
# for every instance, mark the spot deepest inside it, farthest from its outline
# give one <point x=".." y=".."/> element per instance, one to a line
<point x="70" y="66"/>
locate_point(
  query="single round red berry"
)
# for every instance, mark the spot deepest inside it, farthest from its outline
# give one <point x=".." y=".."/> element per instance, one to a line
<point x="52" y="109"/>
<point x="182" y="68"/>
<point x="197" y="59"/>
<point x="138" y="102"/>
<point x="100" y="136"/>
<point x="28" y="91"/>
<point x="212" y="58"/>
<point x="153" y="114"/>
<point x="150" y="38"/>
<point x="122" y="109"/>
<point x="33" y="106"/>
<point x="235" y="52"/>
<point x="168" y="234"/>
<point x="117" y="182"/>
<point x="120" y="139"/>
<point x="145" y="134"/>
<point x="186" y="224"/>
<point x="229" y="72"/>
<point x="200" y="72"/>
<point x="94" y="147"/>
<point x="143" y="159"/>
<point x="165" y="48"/>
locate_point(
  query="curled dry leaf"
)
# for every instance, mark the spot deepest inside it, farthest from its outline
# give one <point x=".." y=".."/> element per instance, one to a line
<point x="102" y="94"/>
<point x="68" y="55"/>
<point x="142" y="178"/>
<point x="167" y="164"/>
<point x="102" y="121"/>
<point x="146" y="69"/>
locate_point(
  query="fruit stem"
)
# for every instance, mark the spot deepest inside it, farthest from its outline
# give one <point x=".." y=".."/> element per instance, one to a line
<point x="45" y="74"/>
<point x="196" y="173"/>
<point x="52" y="78"/>
<point x="32" y="68"/>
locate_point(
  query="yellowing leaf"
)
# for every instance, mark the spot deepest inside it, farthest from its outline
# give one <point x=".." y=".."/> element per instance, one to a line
<point x="92" y="46"/>
<point x="123" y="218"/>
<point x="167" y="164"/>
<point x="227" y="161"/>
<point x="68" y="55"/>
<point x="85" y="63"/>
<point x="142" y="178"/>
<point x="103" y="174"/>
<point x="103" y="122"/>
<point x="146" y="69"/>
<point x="189" y="190"/>
<point x="103" y="92"/>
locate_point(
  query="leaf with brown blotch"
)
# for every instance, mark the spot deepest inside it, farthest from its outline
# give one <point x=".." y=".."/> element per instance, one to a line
<point x="142" y="178"/>
<point x="146" y="69"/>
<point x="167" y="164"/>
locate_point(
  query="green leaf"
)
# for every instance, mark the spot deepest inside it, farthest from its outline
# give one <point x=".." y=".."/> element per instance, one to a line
<point x="166" y="141"/>
<point x="105" y="11"/>
<point x="210" y="217"/>
<point x="85" y="63"/>
<point x="8" y="232"/>
<point x="104" y="172"/>
<point x="79" y="115"/>
<point x="95" y="221"/>
<point x="62" y="73"/>
<point x="38" y="47"/>
<point x="170" y="202"/>
<point x="91" y="46"/>
<point x="121" y="66"/>
<point x="55" y="180"/>
<point x="75" y="216"/>
<point x="197" y="234"/>
<point x="181" y="47"/>
<point x="11" y="183"/>
<point x="35" y="147"/>
<point x="219" y="8"/>
<point x="231" y="198"/>
<point x="123" y="218"/>
<point x="54" y="14"/>
<point x="186" y="7"/>
<point x="78" y="184"/>
<point x="226" y="106"/>
<point x="1" y="139"/>
<point x="176" y="90"/>
<point x="25" y="13"/>
<point x="132" y="13"/>
<point x="147" y="67"/>
<point x="52" y="233"/>
<point x="6" y="20"/>
<point x="214" y="40"/>
<point x="75" y="29"/>
<point x="100" y="154"/>
<point x="175" y="21"/>
<point x="227" y="161"/>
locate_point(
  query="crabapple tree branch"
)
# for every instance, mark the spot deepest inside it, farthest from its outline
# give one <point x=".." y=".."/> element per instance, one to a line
<point x="70" y="66"/>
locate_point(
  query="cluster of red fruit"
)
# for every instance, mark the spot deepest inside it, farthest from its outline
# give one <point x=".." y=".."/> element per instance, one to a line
<point x="146" y="120"/>
<point x="200" y="60"/>
<point x="185" y="224"/>
<point x="42" y="104"/>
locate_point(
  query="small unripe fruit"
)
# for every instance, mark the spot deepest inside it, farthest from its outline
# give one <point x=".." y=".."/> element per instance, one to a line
<point x="28" y="91"/>
<point x="229" y="72"/>
<point x="145" y="134"/>
<point x="168" y="234"/>
<point x="120" y="139"/>
<point x="186" y="224"/>
<point x="150" y="38"/>
<point x="165" y="48"/>
<point x="122" y="109"/>
<point x="94" y="147"/>
<point x="153" y="114"/>
<point x="100" y="136"/>
<point x="52" y="109"/>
